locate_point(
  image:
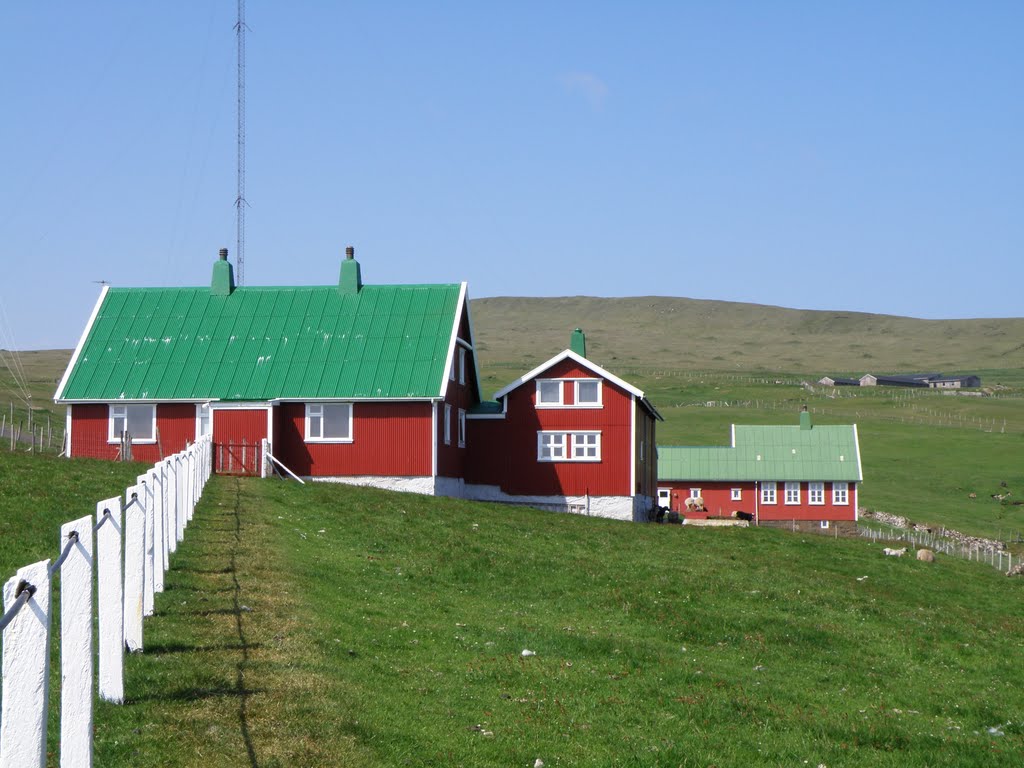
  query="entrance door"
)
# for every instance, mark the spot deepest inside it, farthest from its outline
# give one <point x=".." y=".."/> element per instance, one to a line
<point x="238" y="435"/>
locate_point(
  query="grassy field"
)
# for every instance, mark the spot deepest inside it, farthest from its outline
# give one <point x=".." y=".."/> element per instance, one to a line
<point x="331" y="626"/>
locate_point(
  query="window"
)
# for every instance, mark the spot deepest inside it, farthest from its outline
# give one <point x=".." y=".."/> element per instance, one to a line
<point x="550" y="446"/>
<point x="139" y="421"/>
<point x="462" y="428"/>
<point x="840" y="493"/>
<point x="736" y="494"/>
<point x="768" y="493"/>
<point x="792" y="493"/>
<point x="451" y="372"/>
<point x="549" y="392"/>
<point x="588" y="392"/>
<point x="695" y="493"/>
<point x="202" y="419"/>
<point x="447" y="424"/>
<point x="824" y="523"/>
<point x="586" y="446"/>
<point x="568" y="446"/>
<point x="462" y="365"/>
<point x="816" y="493"/>
<point x="329" y="422"/>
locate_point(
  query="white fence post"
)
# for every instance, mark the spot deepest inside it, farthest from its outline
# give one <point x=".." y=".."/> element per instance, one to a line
<point x="111" y="600"/>
<point x="159" y="527"/>
<point x="76" y="667"/>
<point x="181" y="493"/>
<point x="26" y="670"/>
<point x="148" y="498"/>
<point x="172" y="508"/>
<point x="134" y="567"/>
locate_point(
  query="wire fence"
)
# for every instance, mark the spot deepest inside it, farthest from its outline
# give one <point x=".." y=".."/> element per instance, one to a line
<point x="133" y="542"/>
<point x="989" y="554"/>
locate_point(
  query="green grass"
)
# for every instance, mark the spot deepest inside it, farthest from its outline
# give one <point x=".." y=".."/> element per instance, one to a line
<point x="324" y="625"/>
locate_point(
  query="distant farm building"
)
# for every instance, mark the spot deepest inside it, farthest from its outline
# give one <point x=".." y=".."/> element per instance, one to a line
<point x="365" y="384"/>
<point x="799" y="477"/>
<point x="920" y="380"/>
<point x="838" y="381"/>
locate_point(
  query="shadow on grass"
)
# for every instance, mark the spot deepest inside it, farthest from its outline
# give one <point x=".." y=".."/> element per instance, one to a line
<point x="158" y="649"/>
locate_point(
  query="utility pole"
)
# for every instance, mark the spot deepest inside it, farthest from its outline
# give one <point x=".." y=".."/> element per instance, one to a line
<point x="240" y="202"/>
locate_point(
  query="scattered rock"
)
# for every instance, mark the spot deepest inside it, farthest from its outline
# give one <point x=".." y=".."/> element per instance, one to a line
<point x="527" y="652"/>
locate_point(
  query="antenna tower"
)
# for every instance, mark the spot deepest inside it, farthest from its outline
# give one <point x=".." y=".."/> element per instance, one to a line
<point x="240" y="202"/>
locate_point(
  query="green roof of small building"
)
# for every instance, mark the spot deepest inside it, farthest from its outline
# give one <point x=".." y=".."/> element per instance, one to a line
<point x="822" y="452"/>
<point x="262" y="343"/>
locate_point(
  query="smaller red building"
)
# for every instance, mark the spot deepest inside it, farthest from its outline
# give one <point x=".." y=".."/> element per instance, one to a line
<point x="800" y="477"/>
<point x="568" y="435"/>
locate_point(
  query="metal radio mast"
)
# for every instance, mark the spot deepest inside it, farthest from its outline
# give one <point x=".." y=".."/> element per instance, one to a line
<point x="240" y="202"/>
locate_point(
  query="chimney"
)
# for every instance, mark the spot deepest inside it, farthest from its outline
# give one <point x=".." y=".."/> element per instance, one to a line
<point x="578" y="342"/>
<point x="805" y="419"/>
<point x="223" y="282"/>
<point x="350" y="281"/>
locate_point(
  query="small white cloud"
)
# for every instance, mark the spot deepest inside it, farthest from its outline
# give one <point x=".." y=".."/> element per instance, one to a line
<point x="590" y="85"/>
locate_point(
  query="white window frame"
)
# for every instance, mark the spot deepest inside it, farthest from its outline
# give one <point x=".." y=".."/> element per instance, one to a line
<point x="792" y="491"/>
<point x="462" y="365"/>
<point x="585" y="445"/>
<point x="568" y="446"/>
<point x="204" y="413"/>
<point x="462" y="427"/>
<point x="447" y="424"/>
<point x="576" y="393"/>
<point x="816" y="494"/>
<point x="561" y="393"/>
<point x="840" y="493"/>
<point x="823" y="523"/>
<point x="120" y="411"/>
<point x="555" y="448"/>
<point x="316" y="410"/>
<point x="695" y="493"/>
<point x="736" y="494"/>
<point x="768" y="492"/>
<point x="451" y="371"/>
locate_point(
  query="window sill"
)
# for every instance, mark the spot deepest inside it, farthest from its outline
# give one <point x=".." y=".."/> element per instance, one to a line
<point x="329" y="440"/>
<point x="134" y="442"/>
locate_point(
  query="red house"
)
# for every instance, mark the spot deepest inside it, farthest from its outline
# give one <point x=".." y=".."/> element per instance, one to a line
<point x="568" y="435"/>
<point x="365" y="384"/>
<point x="362" y="382"/>
<point x="800" y="477"/>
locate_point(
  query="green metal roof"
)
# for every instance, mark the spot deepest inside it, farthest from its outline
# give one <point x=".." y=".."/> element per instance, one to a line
<point x="824" y="452"/>
<point x="261" y="343"/>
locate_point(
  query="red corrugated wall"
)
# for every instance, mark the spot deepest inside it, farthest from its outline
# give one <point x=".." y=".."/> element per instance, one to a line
<point x="389" y="440"/>
<point x="175" y="423"/>
<point x="504" y="453"/>
<point x="237" y="435"/>
<point x="717" y="501"/>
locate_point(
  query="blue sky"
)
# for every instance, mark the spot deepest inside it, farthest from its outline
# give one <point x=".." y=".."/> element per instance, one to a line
<point x="854" y="156"/>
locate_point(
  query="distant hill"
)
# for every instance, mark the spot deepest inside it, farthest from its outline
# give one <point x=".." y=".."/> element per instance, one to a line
<point x="679" y="333"/>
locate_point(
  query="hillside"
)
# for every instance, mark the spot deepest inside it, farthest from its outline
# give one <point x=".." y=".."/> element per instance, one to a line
<point x="679" y="333"/>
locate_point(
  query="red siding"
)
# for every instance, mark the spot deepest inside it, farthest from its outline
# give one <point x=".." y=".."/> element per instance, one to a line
<point x="718" y="502"/>
<point x="388" y="440"/>
<point x="505" y="452"/>
<point x="237" y="435"/>
<point x="175" y="424"/>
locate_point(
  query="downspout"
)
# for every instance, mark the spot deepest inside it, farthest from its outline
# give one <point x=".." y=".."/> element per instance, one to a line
<point x="757" y="503"/>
